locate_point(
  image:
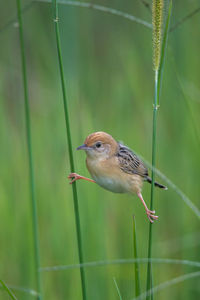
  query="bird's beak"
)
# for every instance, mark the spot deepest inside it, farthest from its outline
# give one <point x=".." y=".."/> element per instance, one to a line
<point x="83" y="147"/>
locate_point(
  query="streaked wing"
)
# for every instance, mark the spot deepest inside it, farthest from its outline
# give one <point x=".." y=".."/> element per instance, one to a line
<point x="130" y="163"/>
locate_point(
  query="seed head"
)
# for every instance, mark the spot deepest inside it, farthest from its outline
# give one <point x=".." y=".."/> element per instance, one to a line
<point x="157" y="21"/>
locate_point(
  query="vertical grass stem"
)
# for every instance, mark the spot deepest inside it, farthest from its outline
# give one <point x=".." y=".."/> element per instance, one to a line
<point x="137" y="271"/>
<point x="157" y="22"/>
<point x="30" y="156"/>
<point x="159" y="55"/>
<point x="155" y="108"/>
<point x="67" y="123"/>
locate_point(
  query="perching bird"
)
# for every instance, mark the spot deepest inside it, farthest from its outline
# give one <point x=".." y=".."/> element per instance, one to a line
<point x="115" y="167"/>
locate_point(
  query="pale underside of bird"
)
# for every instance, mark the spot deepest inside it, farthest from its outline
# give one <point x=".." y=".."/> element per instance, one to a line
<point x="115" y="167"/>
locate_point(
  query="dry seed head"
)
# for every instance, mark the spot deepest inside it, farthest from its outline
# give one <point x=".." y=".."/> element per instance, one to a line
<point x="157" y="21"/>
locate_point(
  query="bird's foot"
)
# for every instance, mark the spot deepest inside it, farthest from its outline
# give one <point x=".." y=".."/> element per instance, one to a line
<point x="151" y="215"/>
<point x="74" y="177"/>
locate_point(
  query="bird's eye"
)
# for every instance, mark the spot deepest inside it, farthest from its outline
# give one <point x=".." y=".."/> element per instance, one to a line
<point x="98" y="144"/>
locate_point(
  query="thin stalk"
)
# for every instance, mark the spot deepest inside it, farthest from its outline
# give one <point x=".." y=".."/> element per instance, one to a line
<point x="30" y="156"/>
<point x="155" y="108"/>
<point x="8" y="290"/>
<point x="117" y="288"/>
<point x="159" y="55"/>
<point x="69" y="142"/>
<point x="137" y="271"/>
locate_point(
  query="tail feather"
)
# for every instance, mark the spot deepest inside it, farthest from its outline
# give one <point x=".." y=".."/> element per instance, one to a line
<point x="161" y="186"/>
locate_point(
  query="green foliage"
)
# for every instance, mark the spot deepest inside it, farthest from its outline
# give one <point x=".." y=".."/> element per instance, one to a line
<point x="108" y="67"/>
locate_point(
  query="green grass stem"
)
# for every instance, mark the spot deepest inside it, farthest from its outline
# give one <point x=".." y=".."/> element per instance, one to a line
<point x="155" y="108"/>
<point x="69" y="142"/>
<point x="30" y="156"/>
<point x="8" y="290"/>
<point x="158" y="77"/>
<point x="135" y="255"/>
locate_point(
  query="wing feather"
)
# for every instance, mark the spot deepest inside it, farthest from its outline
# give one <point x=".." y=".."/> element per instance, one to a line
<point x="129" y="162"/>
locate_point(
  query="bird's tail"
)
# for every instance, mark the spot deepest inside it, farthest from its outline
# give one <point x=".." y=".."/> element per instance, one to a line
<point x="161" y="186"/>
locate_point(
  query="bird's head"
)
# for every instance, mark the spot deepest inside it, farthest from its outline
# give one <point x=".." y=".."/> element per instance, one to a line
<point x="99" y="145"/>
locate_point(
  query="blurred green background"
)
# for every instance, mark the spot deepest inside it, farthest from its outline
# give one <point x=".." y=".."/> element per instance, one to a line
<point x="109" y="78"/>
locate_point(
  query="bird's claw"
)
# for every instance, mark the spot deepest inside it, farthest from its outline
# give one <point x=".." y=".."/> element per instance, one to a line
<point x="151" y="215"/>
<point x="74" y="177"/>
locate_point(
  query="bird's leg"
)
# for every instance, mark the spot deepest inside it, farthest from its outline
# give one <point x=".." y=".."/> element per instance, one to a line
<point x="75" y="177"/>
<point x="150" y="213"/>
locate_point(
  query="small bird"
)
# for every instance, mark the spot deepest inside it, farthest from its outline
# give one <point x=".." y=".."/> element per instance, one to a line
<point x="115" y="167"/>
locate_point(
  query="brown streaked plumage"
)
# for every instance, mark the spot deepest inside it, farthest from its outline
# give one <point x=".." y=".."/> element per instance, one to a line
<point x="115" y="167"/>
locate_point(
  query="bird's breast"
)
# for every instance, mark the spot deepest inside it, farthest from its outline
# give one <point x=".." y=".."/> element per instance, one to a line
<point x="108" y="175"/>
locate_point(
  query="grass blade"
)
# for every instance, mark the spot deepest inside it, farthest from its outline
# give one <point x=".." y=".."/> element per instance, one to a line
<point x="69" y="142"/>
<point x="30" y="156"/>
<point x="167" y="284"/>
<point x="104" y="9"/>
<point x="169" y="183"/>
<point x="185" y="198"/>
<point x="27" y="291"/>
<point x="9" y="292"/>
<point x="137" y="271"/>
<point x="185" y="18"/>
<point x="188" y="105"/>
<point x="117" y="288"/>
<point x="123" y="261"/>
<point x="82" y="4"/>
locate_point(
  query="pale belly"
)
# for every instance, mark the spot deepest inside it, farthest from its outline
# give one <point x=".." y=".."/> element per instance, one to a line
<point x="111" y="184"/>
<point x="112" y="178"/>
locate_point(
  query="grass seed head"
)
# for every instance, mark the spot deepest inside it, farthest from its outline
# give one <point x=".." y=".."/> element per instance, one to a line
<point x="157" y="21"/>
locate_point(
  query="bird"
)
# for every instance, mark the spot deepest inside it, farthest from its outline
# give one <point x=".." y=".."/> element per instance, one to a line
<point x="115" y="167"/>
